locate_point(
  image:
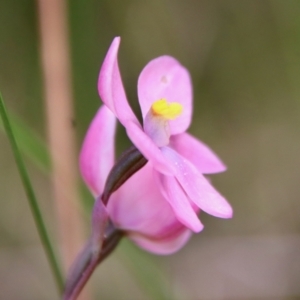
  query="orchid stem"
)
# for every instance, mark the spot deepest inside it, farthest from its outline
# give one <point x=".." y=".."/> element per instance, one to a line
<point x="36" y="212"/>
<point x="89" y="258"/>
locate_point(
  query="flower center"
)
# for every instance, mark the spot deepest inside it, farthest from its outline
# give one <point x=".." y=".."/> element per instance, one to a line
<point x="156" y="122"/>
<point x="168" y="110"/>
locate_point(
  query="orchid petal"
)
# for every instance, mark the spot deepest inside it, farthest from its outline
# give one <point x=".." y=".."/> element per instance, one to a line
<point x="148" y="148"/>
<point x="111" y="88"/>
<point x="165" y="77"/>
<point x="180" y="203"/>
<point x="97" y="152"/>
<point x="162" y="246"/>
<point x="198" y="153"/>
<point x="139" y="206"/>
<point x="197" y="187"/>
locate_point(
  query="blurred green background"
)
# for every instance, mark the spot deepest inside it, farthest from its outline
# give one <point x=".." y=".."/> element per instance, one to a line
<point x="244" y="59"/>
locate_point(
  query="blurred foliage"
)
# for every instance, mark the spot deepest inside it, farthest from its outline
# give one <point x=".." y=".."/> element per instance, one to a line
<point x="37" y="215"/>
<point x="30" y="144"/>
<point x="244" y="58"/>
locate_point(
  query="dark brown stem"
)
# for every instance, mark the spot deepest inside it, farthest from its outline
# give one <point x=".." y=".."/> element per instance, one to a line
<point x="89" y="258"/>
<point x="129" y="163"/>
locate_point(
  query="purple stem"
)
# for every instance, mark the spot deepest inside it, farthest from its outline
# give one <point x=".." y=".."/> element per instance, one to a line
<point x="88" y="260"/>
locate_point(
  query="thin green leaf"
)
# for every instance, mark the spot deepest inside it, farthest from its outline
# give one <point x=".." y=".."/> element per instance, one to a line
<point x="29" y="143"/>
<point x="36" y="212"/>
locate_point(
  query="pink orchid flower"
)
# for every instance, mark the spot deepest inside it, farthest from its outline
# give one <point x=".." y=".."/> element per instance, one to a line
<point x="137" y="207"/>
<point x="178" y="160"/>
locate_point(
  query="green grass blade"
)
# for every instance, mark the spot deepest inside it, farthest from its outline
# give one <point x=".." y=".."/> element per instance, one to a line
<point x="30" y="144"/>
<point x="32" y="199"/>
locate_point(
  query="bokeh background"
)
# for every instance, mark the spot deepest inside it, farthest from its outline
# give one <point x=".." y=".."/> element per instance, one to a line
<point x="244" y="59"/>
